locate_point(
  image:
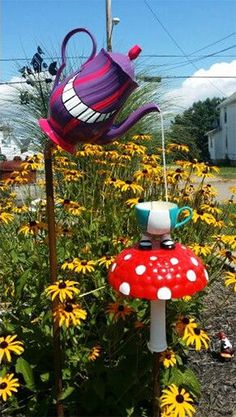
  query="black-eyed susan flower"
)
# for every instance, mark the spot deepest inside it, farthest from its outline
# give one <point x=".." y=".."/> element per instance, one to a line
<point x="33" y="163"/>
<point x="131" y="202"/>
<point x="62" y="290"/>
<point x="177" y="147"/>
<point x="72" y="175"/>
<point x="118" y="310"/>
<point x="195" y="336"/>
<point x="228" y="254"/>
<point x="142" y="136"/>
<point x="201" y="249"/>
<point x="6" y="217"/>
<point x="211" y="208"/>
<point x="32" y="228"/>
<point x="121" y="240"/>
<point x="106" y="261"/>
<point x="63" y="161"/>
<point x="203" y="216"/>
<point x="8" y="385"/>
<point x="9" y="345"/>
<point x="94" y="353"/>
<point x="184" y="323"/>
<point x="72" y="207"/>
<point x="168" y="358"/>
<point x="230" y="279"/>
<point x="83" y="266"/>
<point x="130" y="185"/>
<point x="177" y="401"/>
<point x="69" y="314"/>
<point x="20" y="209"/>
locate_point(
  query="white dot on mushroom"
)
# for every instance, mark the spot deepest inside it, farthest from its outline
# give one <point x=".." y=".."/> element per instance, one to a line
<point x="191" y="276"/>
<point x="140" y="269"/>
<point x="194" y="261"/>
<point x="124" y="288"/>
<point x="164" y="293"/>
<point x="113" y="267"/>
<point x="206" y="274"/>
<point x="174" y="261"/>
<point x="128" y="256"/>
<point x="153" y="258"/>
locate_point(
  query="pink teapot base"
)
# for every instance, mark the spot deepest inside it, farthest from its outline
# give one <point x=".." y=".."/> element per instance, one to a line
<point x="47" y="129"/>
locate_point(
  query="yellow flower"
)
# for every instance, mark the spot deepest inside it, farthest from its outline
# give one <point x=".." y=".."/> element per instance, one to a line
<point x="201" y="249"/>
<point x="184" y="323"/>
<point x="6" y="217"/>
<point x="62" y="289"/>
<point x="168" y="358"/>
<point x="112" y="181"/>
<point x="233" y="189"/>
<point x="121" y="240"/>
<point x="211" y="208"/>
<point x="32" y="228"/>
<point x="230" y="256"/>
<point x="177" y="147"/>
<point x="177" y="401"/>
<point x="20" y="209"/>
<point x="230" y="240"/>
<point x="131" y="202"/>
<point x="142" y="136"/>
<point x="106" y="260"/>
<point x="72" y="175"/>
<point x="201" y="215"/>
<point x="64" y="161"/>
<point x="94" y="353"/>
<point x="72" y="207"/>
<point x="33" y="163"/>
<point x="83" y="266"/>
<point x="230" y="279"/>
<point x="8" y="385"/>
<point x="9" y="345"/>
<point x="134" y="149"/>
<point x="196" y="336"/>
<point x="207" y="171"/>
<point x="129" y="185"/>
<point x="119" y="310"/>
<point x="69" y="314"/>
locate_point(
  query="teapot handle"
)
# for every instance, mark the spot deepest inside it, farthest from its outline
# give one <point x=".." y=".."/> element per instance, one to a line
<point x="63" y="51"/>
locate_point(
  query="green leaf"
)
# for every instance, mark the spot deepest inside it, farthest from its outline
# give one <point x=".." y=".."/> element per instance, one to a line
<point x="185" y="378"/>
<point x="66" y="392"/>
<point x="45" y="377"/>
<point x="23" y="367"/>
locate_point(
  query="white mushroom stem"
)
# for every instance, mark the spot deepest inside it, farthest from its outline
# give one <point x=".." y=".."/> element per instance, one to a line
<point x="158" y="326"/>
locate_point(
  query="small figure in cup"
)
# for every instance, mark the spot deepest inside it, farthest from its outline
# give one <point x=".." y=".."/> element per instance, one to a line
<point x="157" y="219"/>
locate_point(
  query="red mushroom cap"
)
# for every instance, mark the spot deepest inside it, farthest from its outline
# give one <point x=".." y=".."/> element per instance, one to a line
<point x="158" y="273"/>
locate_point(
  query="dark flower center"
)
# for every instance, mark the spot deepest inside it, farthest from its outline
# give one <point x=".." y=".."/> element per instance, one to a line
<point x="179" y="398"/>
<point x="62" y="285"/>
<point x="69" y="308"/>
<point x="197" y="331"/>
<point x="179" y="170"/>
<point x="200" y="212"/>
<point x="129" y="182"/>
<point x="84" y="263"/>
<point x="185" y="320"/>
<point x="66" y="201"/>
<point x="228" y="254"/>
<point x="113" y="179"/>
<point x="140" y="200"/>
<point x="168" y="355"/>
<point x="3" y="385"/>
<point x="107" y="257"/>
<point x="33" y="223"/>
<point x="145" y="171"/>
<point x="121" y="307"/>
<point x="3" y="345"/>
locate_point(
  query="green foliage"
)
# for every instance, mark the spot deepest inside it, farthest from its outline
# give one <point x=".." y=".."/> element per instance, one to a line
<point x="191" y="126"/>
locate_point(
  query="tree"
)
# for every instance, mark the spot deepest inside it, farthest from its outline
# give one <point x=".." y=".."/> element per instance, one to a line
<point x="191" y="126"/>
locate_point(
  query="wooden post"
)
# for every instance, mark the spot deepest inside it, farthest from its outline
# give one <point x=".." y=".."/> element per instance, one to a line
<point x="53" y="273"/>
<point x="156" y="385"/>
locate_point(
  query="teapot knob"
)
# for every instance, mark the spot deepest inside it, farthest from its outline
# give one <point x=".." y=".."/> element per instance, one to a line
<point x="134" y="52"/>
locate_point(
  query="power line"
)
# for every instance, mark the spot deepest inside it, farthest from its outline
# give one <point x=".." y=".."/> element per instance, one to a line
<point x="161" y="77"/>
<point x="175" y="42"/>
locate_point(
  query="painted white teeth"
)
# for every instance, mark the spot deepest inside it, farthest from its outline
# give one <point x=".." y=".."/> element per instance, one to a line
<point x="77" y="109"/>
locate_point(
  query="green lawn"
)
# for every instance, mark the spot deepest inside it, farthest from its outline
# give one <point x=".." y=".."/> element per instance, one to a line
<point x="228" y="172"/>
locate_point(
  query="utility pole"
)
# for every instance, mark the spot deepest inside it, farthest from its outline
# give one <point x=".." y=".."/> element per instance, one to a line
<point x="109" y="25"/>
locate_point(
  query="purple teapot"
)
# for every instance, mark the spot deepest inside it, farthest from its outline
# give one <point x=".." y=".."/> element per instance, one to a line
<point x="83" y="106"/>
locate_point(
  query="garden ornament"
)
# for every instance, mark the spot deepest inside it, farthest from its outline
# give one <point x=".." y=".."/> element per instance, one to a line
<point x="157" y="275"/>
<point x="157" y="219"/>
<point x="83" y="106"/>
<point x="226" y="347"/>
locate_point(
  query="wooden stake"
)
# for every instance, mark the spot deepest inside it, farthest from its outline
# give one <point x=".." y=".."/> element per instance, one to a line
<point x="53" y="273"/>
<point x="156" y="385"/>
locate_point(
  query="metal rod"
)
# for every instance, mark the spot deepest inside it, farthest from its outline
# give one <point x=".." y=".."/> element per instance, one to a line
<point x="109" y="25"/>
<point x="156" y="385"/>
<point x="53" y="274"/>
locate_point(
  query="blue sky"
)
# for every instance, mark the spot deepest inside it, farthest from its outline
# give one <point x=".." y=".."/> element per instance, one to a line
<point x="169" y="27"/>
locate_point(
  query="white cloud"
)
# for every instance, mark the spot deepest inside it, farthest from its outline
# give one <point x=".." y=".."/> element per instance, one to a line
<point x="195" y="89"/>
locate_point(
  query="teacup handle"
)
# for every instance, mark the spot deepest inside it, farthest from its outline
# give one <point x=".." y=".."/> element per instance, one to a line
<point x="182" y="222"/>
<point x="63" y="51"/>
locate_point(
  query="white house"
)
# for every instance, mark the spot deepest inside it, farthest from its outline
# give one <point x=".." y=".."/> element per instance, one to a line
<point x="10" y="146"/>
<point x="222" y="139"/>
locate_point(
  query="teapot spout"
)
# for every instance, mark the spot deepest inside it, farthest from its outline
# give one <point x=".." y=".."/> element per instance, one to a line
<point x="121" y="128"/>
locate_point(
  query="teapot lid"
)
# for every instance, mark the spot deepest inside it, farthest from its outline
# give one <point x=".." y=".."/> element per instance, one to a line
<point x="125" y="61"/>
